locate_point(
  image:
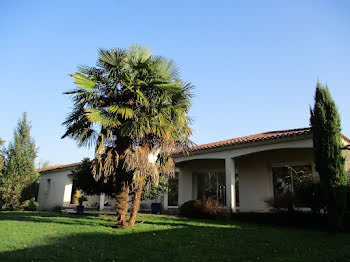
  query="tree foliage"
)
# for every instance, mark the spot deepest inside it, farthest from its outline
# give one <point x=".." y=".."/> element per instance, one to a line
<point x="330" y="163"/>
<point x="18" y="181"/>
<point x="84" y="181"/>
<point x="132" y="107"/>
<point x="1" y="155"/>
<point x="152" y="191"/>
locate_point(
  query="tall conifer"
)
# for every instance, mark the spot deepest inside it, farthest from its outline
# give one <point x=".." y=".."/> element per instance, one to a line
<point x="330" y="163"/>
<point x="18" y="174"/>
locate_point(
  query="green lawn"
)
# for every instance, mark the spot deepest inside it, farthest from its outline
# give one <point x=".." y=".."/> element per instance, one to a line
<point x="37" y="236"/>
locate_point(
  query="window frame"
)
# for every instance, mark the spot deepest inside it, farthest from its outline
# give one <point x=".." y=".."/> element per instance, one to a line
<point x="177" y="175"/>
<point x="291" y="164"/>
<point x="207" y="170"/>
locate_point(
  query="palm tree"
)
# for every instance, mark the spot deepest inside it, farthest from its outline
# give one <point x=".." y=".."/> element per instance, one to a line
<point x="133" y="107"/>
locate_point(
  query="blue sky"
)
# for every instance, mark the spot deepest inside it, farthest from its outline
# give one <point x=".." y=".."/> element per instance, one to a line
<point x="254" y="64"/>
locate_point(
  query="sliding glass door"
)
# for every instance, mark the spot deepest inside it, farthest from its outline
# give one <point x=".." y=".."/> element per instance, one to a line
<point x="211" y="184"/>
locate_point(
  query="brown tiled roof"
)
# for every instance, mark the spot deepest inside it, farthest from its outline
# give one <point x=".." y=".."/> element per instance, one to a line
<point x="56" y="167"/>
<point x="346" y="139"/>
<point x="253" y="138"/>
<point x="229" y="142"/>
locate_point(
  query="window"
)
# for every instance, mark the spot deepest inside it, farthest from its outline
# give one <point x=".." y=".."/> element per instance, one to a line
<point x="48" y="185"/>
<point x="237" y="187"/>
<point x="173" y="190"/>
<point x="211" y="184"/>
<point x="288" y="185"/>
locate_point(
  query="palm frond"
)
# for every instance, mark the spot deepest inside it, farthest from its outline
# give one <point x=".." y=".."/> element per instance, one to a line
<point x="83" y="81"/>
<point x="101" y="117"/>
<point x="125" y="112"/>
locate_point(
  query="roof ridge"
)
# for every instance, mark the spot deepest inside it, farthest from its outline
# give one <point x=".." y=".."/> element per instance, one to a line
<point x="263" y="133"/>
<point x="288" y="130"/>
<point x="252" y="138"/>
<point x="232" y="141"/>
<point x="58" y="166"/>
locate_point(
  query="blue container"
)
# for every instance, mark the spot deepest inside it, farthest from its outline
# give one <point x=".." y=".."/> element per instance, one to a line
<point x="80" y="209"/>
<point x="156" y="208"/>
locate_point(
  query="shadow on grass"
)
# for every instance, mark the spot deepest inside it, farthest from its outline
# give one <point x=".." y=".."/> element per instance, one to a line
<point x="190" y="243"/>
<point x="104" y="220"/>
<point x="176" y="239"/>
<point x="54" y="217"/>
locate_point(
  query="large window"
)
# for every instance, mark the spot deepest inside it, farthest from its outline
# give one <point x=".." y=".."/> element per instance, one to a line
<point x="288" y="185"/>
<point x="173" y="190"/>
<point x="211" y="184"/>
<point x="237" y="187"/>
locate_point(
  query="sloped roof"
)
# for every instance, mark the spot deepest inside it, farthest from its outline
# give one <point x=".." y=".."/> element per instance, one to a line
<point x="253" y="138"/>
<point x="57" y="167"/>
<point x="229" y="142"/>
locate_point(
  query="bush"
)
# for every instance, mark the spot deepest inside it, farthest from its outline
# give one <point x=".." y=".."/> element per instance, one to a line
<point x="207" y="208"/>
<point x="32" y="205"/>
<point x="280" y="202"/>
<point x="307" y="195"/>
<point x="188" y="210"/>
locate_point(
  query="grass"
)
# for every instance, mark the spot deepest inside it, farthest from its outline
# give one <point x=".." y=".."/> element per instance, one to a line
<point x="40" y="236"/>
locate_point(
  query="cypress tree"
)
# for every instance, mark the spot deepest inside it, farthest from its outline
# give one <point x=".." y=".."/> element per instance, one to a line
<point x="19" y="176"/>
<point x="1" y="155"/>
<point x="330" y="163"/>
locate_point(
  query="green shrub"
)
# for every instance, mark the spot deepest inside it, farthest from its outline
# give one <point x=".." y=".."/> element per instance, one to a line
<point x="207" y="208"/>
<point x="32" y="205"/>
<point x="188" y="210"/>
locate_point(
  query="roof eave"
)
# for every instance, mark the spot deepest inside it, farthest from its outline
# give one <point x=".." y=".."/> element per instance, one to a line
<point x="246" y="144"/>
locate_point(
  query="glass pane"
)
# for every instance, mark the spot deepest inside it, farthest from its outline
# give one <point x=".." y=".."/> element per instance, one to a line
<point x="221" y="188"/>
<point x="202" y="185"/>
<point x="173" y="192"/>
<point x="301" y="181"/>
<point x="237" y="188"/>
<point x="282" y="186"/>
<point x="291" y="185"/>
<point x="211" y="185"/>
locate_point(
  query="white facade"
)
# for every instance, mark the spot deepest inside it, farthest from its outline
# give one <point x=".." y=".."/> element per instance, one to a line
<point x="55" y="191"/>
<point x="251" y="162"/>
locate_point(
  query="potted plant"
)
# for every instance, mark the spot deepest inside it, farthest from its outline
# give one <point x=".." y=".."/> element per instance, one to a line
<point x="156" y="208"/>
<point x="80" y="208"/>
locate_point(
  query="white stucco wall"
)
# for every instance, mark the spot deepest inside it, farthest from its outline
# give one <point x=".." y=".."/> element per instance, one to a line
<point x="346" y="154"/>
<point x="254" y="163"/>
<point x="255" y="175"/>
<point x="59" y="192"/>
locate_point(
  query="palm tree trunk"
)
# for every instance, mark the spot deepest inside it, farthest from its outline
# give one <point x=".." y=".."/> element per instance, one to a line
<point x="122" y="199"/>
<point x="136" y="204"/>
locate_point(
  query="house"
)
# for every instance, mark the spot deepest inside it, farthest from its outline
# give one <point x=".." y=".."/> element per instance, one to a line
<point x="56" y="190"/>
<point x="241" y="173"/>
